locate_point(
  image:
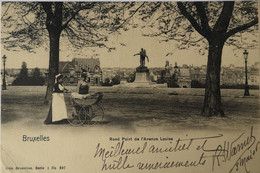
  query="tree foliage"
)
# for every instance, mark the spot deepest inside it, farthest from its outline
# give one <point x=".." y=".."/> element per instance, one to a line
<point x="35" y="78"/>
<point x="116" y="80"/>
<point x="107" y="82"/>
<point x="83" y="24"/>
<point x="23" y="77"/>
<point x="131" y="78"/>
<point x="168" y="20"/>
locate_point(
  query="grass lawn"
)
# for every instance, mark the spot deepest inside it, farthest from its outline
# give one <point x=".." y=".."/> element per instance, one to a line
<point x="131" y="108"/>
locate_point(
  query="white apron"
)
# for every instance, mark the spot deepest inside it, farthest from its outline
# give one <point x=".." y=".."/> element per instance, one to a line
<point x="59" y="110"/>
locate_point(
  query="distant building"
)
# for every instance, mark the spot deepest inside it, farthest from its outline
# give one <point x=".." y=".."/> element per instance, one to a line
<point x="183" y="76"/>
<point x="232" y="76"/>
<point x="167" y="73"/>
<point x="198" y="74"/>
<point x="71" y="70"/>
<point x="168" y="69"/>
<point x="236" y="75"/>
<point x="253" y="74"/>
<point x="179" y="74"/>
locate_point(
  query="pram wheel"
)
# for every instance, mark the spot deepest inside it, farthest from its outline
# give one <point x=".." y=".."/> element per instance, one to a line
<point x="74" y="121"/>
<point x="96" y="114"/>
<point x="87" y="109"/>
<point x="80" y="116"/>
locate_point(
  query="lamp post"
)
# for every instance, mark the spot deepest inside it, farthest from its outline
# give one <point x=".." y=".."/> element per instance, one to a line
<point x="4" y="82"/>
<point x="246" y="82"/>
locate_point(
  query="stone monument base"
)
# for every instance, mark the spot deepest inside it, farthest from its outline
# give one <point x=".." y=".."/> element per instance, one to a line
<point x="142" y="75"/>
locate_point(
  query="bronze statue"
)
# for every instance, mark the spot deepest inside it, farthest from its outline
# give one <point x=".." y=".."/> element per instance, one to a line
<point x="142" y="54"/>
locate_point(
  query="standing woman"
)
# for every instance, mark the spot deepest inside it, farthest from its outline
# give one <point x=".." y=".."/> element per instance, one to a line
<point x="58" y="110"/>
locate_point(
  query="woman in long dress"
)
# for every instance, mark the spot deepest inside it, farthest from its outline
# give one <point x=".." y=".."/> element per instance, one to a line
<point x="58" y="110"/>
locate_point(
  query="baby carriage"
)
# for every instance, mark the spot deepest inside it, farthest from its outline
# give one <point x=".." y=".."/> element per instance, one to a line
<point x="87" y="109"/>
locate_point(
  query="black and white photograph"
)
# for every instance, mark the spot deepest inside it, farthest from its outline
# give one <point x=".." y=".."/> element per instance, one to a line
<point x="130" y="86"/>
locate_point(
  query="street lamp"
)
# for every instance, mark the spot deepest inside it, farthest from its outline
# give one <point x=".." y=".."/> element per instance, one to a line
<point x="246" y="83"/>
<point x="4" y="82"/>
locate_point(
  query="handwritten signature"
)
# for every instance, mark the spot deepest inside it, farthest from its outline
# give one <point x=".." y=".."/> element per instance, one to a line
<point x="244" y="146"/>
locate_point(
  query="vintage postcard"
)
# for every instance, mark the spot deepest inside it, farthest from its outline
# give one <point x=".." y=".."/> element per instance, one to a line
<point x="130" y="86"/>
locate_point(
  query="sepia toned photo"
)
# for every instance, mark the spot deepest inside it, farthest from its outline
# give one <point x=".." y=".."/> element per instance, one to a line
<point x="130" y="86"/>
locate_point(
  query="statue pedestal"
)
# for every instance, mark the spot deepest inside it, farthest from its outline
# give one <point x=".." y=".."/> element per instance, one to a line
<point x="142" y="75"/>
<point x="142" y="80"/>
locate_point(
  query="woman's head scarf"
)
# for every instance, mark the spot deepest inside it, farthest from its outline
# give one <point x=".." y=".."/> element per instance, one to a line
<point x="57" y="77"/>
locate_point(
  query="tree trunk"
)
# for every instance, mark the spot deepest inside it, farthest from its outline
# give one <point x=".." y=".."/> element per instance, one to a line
<point x="54" y="37"/>
<point x="212" y="101"/>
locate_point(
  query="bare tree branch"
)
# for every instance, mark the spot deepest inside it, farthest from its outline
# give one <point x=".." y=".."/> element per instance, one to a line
<point x="6" y="11"/>
<point x="190" y="18"/>
<point x="47" y="7"/>
<point x="27" y="12"/>
<point x="203" y="17"/>
<point x="241" y="28"/>
<point x="76" y="12"/>
<point x="222" y="23"/>
<point x="126" y="20"/>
